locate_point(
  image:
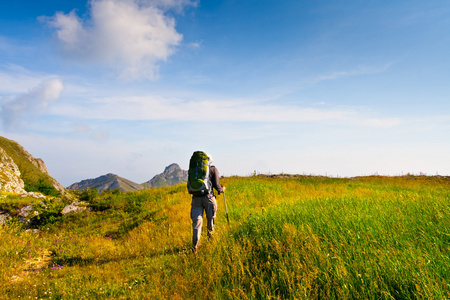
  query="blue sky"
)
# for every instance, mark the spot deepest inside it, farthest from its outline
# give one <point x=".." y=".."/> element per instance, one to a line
<point x="337" y="88"/>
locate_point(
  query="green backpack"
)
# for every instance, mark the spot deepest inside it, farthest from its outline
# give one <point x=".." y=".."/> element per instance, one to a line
<point x="199" y="183"/>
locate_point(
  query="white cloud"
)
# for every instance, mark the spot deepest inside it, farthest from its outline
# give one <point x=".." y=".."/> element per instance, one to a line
<point x="156" y="108"/>
<point x="32" y="103"/>
<point x="127" y="35"/>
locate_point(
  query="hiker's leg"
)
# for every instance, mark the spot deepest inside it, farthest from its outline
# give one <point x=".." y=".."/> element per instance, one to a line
<point x="197" y="221"/>
<point x="211" y="210"/>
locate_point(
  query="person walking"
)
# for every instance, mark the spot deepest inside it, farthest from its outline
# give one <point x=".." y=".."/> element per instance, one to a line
<point x="203" y="199"/>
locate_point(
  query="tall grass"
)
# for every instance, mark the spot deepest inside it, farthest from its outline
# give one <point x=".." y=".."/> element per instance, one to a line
<point x="289" y="238"/>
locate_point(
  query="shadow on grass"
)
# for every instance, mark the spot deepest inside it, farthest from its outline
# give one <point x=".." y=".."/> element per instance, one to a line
<point x="81" y="261"/>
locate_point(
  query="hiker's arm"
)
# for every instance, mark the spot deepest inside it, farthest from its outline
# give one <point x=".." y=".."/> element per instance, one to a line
<point x="216" y="181"/>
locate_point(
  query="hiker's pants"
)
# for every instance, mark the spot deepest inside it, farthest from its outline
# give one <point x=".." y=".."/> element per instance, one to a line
<point x="199" y="204"/>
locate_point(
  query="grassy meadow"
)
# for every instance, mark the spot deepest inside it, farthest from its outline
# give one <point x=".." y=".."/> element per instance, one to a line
<point x="290" y="237"/>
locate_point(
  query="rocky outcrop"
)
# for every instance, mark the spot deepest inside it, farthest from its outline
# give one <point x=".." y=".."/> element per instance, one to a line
<point x="24" y="213"/>
<point x="33" y="195"/>
<point x="172" y="175"/>
<point x="10" y="180"/>
<point x="39" y="163"/>
<point x="4" y="217"/>
<point x="75" y="207"/>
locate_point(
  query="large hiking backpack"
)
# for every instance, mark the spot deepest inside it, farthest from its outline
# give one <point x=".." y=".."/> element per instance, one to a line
<point x="199" y="183"/>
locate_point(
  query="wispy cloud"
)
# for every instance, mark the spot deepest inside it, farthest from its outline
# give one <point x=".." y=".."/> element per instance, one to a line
<point x="360" y="70"/>
<point x="86" y="129"/>
<point x="178" y="5"/>
<point x="158" y="108"/>
<point x="130" y="36"/>
<point x="15" y="79"/>
<point x="29" y="104"/>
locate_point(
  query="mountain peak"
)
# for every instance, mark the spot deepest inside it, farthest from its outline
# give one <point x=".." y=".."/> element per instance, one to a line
<point x="109" y="175"/>
<point x="172" y="175"/>
<point x="171" y="168"/>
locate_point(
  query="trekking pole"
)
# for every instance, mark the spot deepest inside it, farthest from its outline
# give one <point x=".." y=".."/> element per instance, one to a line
<point x="226" y="209"/>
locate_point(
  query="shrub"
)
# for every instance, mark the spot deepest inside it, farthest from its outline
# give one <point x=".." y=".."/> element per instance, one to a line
<point x="42" y="186"/>
<point x="89" y="195"/>
<point x="48" y="211"/>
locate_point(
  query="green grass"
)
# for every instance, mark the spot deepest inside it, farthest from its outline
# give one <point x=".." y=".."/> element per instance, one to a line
<point x="290" y="238"/>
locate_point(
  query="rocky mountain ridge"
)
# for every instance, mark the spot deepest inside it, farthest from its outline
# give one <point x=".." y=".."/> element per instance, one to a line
<point x="172" y="175"/>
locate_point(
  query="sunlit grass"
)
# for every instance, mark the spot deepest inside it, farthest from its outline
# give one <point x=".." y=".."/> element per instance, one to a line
<point x="289" y="238"/>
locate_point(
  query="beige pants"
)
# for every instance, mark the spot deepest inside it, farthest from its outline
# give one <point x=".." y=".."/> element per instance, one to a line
<point x="199" y="204"/>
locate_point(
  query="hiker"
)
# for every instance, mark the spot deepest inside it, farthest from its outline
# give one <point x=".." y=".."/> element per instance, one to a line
<point x="201" y="172"/>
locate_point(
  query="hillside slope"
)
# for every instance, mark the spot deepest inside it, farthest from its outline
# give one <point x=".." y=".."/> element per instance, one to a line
<point x="33" y="171"/>
<point x="106" y="183"/>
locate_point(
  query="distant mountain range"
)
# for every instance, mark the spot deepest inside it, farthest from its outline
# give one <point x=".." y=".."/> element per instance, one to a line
<point x="105" y="183"/>
<point x="21" y="173"/>
<point x="172" y="175"/>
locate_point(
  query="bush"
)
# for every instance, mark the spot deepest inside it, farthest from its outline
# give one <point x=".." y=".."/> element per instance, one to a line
<point x="100" y="204"/>
<point x="49" y="211"/>
<point x="89" y="195"/>
<point x="42" y="186"/>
